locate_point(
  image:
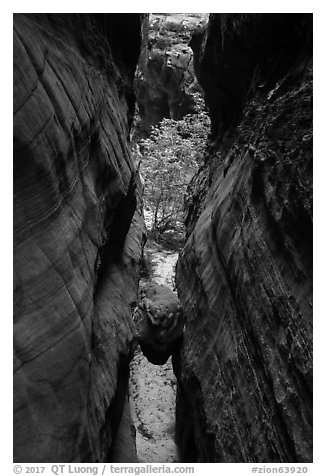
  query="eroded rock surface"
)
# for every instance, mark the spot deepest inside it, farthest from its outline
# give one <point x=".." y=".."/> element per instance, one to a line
<point x="77" y="233"/>
<point x="165" y="81"/>
<point x="245" y="275"/>
<point x="159" y="321"/>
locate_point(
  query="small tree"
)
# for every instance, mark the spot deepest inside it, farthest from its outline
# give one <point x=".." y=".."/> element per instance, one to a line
<point x="170" y="157"/>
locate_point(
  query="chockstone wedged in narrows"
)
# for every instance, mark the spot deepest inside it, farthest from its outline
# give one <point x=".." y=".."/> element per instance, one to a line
<point x="159" y="320"/>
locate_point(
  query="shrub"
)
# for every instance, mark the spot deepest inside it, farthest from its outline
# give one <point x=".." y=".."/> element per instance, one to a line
<point x="170" y="157"/>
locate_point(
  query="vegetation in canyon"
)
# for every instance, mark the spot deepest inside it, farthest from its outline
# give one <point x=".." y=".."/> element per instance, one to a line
<point x="240" y="360"/>
<point x="169" y="158"/>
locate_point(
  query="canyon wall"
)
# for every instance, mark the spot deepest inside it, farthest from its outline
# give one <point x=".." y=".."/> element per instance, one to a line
<point x="244" y="276"/>
<point x="165" y="80"/>
<point x="78" y="234"/>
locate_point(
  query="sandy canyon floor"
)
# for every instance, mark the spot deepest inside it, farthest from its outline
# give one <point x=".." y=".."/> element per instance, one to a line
<point x="153" y="387"/>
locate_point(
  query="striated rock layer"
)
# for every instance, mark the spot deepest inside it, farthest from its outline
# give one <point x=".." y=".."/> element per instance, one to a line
<point x="77" y="237"/>
<point x="244" y="276"/>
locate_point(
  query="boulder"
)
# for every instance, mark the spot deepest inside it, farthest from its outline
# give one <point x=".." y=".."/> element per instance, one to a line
<point x="159" y="321"/>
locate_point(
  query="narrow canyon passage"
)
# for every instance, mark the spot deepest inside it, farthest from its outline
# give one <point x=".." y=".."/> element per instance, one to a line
<point x="195" y="129"/>
<point x="153" y="387"/>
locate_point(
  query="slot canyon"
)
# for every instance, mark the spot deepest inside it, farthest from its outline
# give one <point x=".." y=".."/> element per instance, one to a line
<point x="128" y="347"/>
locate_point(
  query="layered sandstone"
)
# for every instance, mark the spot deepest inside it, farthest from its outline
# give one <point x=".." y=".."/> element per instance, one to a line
<point x="78" y="234"/>
<point x="245" y="274"/>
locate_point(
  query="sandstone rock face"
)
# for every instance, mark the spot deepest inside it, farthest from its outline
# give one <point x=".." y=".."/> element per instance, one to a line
<point x="124" y="448"/>
<point x="165" y="80"/>
<point x="77" y="233"/>
<point x="159" y="321"/>
<point x="245" y="275"/>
